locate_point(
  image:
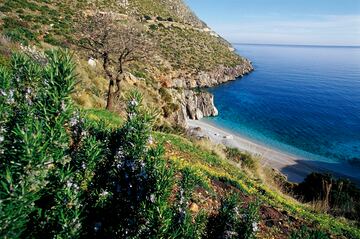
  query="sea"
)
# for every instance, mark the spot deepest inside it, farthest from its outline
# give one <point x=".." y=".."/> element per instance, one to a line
<point x="302" y="100"/>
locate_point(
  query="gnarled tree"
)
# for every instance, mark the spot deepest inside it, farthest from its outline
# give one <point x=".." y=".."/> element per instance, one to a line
<point x="116" y="42"/>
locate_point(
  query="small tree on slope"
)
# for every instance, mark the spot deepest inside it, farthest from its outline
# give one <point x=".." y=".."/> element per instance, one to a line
<point x="116" y="44"/>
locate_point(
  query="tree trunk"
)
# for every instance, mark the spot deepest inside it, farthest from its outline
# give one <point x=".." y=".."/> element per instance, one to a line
<point x="326" y="187"/>
<point x="110" y="96"/>
<point x="118" y="84"/>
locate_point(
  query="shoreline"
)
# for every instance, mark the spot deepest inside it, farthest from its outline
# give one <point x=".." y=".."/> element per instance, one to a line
<point x="294" y="167"/>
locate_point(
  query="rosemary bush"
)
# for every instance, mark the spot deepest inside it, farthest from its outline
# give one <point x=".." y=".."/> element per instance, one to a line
<point x="234" y="220"/>
<point x="63" y="176"/>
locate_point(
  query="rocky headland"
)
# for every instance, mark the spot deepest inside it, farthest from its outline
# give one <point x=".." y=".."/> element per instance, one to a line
<point x="197" y="103"/>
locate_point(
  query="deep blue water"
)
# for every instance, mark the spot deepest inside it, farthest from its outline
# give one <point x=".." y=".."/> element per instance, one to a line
<point x="302" y="100"/>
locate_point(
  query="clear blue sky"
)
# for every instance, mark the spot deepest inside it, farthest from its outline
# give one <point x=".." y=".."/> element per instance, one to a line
<point x="317" y="22"/>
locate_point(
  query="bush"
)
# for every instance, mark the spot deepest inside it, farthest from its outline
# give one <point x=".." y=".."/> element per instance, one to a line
<point x="51" y="40"/>
<point x="165" y="95"/>
<point x="4" y="61"/>
<point x="153" y="27"/>
<point x="64" y="176"/>
<point x="35" y="107"/>
<point x="244" y="158"/>
<point x="305" y="233"/>
<point x="235" y="221"/>
<point x="18" y="31"/>
<point x="160" y="19"/>
<point x="339" y="196"/>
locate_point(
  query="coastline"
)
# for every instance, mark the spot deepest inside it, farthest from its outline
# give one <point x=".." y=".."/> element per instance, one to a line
<point x="292" y="166"/>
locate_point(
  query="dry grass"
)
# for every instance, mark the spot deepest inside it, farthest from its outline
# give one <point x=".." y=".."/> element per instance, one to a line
<point x="319" y="206"/>
<point x="207" y="145"/>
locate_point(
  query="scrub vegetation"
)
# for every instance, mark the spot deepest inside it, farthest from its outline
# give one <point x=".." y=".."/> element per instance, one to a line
<point x="71" y="169"/>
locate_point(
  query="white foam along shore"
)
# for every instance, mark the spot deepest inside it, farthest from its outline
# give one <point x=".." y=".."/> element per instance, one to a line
<point x="295" y="168"/>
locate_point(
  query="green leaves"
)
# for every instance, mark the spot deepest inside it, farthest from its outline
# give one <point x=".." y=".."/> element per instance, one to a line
<point x="37" y="106"/>
<point x="306" y="233"/>
<point x="63" y="176"/>
<point x="236" y="219"/>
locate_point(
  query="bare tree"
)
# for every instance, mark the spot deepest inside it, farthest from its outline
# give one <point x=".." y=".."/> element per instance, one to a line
<point x="116" y="43"/>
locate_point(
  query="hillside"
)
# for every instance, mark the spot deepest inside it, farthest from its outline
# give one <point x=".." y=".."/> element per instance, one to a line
<point x="187" y="54"/>
<point x="71" y="169"/>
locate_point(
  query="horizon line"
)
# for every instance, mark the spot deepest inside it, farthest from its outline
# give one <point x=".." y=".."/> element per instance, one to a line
<point x="295" y="45"/>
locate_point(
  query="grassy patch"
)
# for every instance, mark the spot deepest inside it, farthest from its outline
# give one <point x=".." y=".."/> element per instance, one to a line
<point x="111" y="119"/>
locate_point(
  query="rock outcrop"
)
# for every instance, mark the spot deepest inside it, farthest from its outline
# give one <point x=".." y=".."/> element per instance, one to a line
<point x="194" y="105"/>
<point x="202" y="79"/>
<point x="198" y="105"/>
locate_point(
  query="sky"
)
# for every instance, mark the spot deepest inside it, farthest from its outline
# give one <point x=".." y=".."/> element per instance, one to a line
<point x="304" y="22"/>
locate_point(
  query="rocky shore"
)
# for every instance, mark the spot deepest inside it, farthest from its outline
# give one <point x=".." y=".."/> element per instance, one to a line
<point x="293" y="167"/>
<point x="196" y="104"/>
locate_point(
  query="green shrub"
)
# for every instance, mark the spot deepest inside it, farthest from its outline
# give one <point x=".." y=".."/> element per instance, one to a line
<point x="18" y="31"/>
<point x="35" y="105"/>
<point x="234" y="221"/>
<point x="5" y="61"/>
<point x="170" y="108"/>
<point x="140" y="74"/>
<point x="51" y="40"/>
<point x="71" y="177"/>
<point x="165" y="95"/>
<point x="153" y="27"/>
<point x="5" y="9"/>
<point x="305" y="233"/>
<point x="339" y="195"/>
<point x="244" y="158"/>
<point x="186" y="225"/>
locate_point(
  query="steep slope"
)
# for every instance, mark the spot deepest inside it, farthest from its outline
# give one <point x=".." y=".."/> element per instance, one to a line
<point x="188" y="54"/>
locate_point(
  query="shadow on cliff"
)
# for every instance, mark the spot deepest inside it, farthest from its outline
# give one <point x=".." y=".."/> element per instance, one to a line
<point x="297" y="172"/>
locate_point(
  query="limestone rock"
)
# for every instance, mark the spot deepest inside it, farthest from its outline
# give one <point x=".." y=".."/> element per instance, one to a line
<point x="194" y="105"/>
<point x="215" y="77"/>
<point x="129" y="78"/>
<point x="92" y="62"/>
<point x="198" y="105"/>
<point x="194" y="208"/>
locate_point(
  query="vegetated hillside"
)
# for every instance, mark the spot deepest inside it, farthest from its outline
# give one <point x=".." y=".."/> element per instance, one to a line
<point x="186" y="53"/>
<point x="92" y="174"/>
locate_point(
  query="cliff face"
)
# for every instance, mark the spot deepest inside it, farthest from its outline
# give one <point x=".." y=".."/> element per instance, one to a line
<point x="204" y="79"/>
<point x="194" y="105"/>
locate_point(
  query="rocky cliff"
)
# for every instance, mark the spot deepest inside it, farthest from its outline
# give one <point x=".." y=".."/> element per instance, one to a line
<point x="204" y="79"/>
<point x="194" y="104"/>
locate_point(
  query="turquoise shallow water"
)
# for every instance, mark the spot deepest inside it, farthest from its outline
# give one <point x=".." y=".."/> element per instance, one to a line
<point x="300" y="99"/>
